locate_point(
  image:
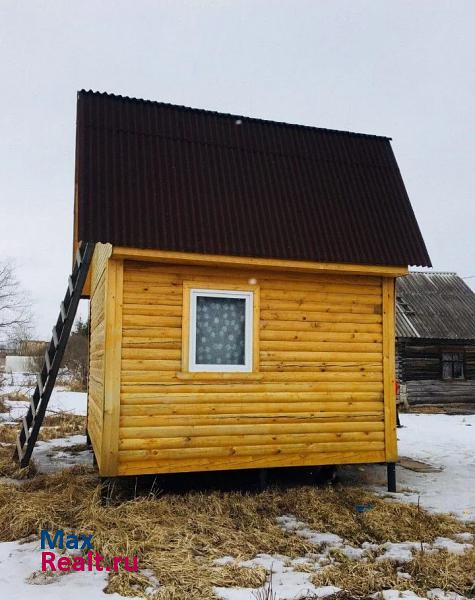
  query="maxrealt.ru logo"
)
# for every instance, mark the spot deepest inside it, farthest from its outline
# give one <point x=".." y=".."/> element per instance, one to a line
<point x="89" y="561"/>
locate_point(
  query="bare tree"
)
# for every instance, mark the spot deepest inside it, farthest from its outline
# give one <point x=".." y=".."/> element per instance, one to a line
<point x="76" y="355"/>
<point x="15" y="313"/>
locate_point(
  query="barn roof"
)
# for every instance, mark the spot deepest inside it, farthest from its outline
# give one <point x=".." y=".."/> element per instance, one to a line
<point x="155" y="175"/>
<point x="434" y="306"/>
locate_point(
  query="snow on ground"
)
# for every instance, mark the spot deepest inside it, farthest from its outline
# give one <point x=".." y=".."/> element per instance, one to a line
<point x="21" y="577"/>
<point x="60" y="401"/>
<point x="17" y="364"/>
<point x="287" y="583"/>
<point x="54" y="456"/>
<point x="290" y="583"/>
<point x="444" y="441"/>
<point x="72" y="402"/>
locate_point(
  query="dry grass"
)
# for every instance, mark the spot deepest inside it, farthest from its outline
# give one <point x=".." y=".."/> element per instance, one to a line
<point x="76" y="385"/>
<point x="8" y="433"/>
<point x="10" y="468"/>
<point x="178" y="536"/>
<point x="450" y="572"/>
<point x="333" y="509"/>
<point x="60" y="425"/>
<point x="14" y="396"/>
<point x="74" y="449"/>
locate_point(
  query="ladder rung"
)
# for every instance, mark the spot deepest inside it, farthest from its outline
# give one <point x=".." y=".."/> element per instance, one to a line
<point x="19" y="449"/>
<point x="48" y="362"/>
<point x="26" y="429"/>
<point x="33" y="420"/>
<point x="39" y="383"/>
<point x="64" y="314"/>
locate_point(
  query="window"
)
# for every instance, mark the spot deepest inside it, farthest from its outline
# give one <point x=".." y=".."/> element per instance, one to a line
<point x="452" y="365"/>
<point x="221" y="330"/>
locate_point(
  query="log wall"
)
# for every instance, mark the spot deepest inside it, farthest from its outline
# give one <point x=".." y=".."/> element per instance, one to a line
<point x="440" y="392"/>
<point x="316" y="396"/>
<point x="97" y="345"/>
<point x="420" y="367"/>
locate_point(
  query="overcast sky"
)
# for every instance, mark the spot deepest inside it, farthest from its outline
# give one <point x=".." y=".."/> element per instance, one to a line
<point x="401" y="69"/>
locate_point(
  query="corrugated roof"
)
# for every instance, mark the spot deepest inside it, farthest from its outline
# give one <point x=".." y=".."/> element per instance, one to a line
<point x="434" y="305"/>
<point x="154" y="175"/>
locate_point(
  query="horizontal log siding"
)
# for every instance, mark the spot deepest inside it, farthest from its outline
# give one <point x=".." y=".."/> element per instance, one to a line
<point x="317" y="400"/>
<point x="421" y="360"/>
<point x="441" y="392"/>
<point x="95" y="397"/>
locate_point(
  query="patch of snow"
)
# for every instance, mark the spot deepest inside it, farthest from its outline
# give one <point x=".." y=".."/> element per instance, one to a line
<point x="53" y="455"/>
<point x="326" y="590"/>
<point x="353" y="553"/>
<point x="442" y="543"/>
<point x="399" y="552"/>
<point x="154" y="583"/>
<point x="320" y="539"/>
<point x="444" y="441"/>
<point x="371" y="547"/>
<point x="465" y="537"/>
<point x="303" y="560"/>
<point x="60" y="401"/>
<point x="236" y="593"/>
<point x="224" y="560"/>
<point x="397" y="595"/>
<point x="290" y="523"/>
<point x="325" y="541"/>
<point x="17" y="364"/>
<point x="287" y="583"/>
<point x="21" y="577"/>
<point x="72" y="402"/>
<point x="438" y="594"/>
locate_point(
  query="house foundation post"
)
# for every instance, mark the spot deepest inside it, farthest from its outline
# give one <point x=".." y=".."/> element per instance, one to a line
<point x="263" y="473"/>
<point x="391" y="468"/>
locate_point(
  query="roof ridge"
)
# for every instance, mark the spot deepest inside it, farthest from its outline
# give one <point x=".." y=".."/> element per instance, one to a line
<point x="231" y="115"/>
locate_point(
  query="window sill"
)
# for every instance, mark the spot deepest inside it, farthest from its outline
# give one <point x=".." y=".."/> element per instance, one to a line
<point x="223" y="376"/>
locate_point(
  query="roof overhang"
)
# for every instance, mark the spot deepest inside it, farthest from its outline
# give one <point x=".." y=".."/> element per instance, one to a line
<point x="239" y="262"/>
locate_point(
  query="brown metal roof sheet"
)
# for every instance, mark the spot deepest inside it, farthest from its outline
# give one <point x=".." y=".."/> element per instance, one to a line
<point x="434" y="306"/>
<point x="154" y="175"/>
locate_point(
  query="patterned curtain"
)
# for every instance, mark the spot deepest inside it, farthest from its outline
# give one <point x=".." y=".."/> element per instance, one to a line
<point x="220" y="331"/>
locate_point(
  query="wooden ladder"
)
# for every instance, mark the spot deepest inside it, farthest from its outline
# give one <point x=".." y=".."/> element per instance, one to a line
<point x="32" y="421"/>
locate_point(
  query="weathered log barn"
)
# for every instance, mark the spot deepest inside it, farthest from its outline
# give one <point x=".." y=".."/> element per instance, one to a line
<point x="435" y="338"/>
<point x="242" y="288"/>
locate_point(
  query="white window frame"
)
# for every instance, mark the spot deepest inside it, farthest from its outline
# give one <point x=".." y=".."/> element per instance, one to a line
<point x="248" y="296"/>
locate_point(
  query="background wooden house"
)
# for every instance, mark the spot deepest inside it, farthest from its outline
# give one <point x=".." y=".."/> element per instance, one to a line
<point x="242" y="288"/>
<point x="436" y="338"/>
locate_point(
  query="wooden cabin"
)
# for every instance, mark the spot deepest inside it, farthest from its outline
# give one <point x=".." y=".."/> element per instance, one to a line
<point x="241" y="291"/>
<point x="435" y="339"/>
